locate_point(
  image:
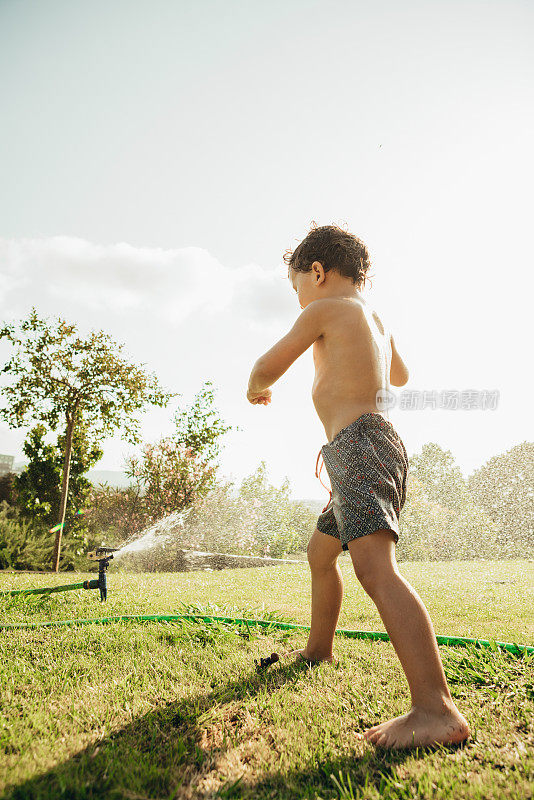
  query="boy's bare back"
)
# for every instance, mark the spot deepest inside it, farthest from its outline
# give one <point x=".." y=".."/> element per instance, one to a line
<point x="354" y="358"/>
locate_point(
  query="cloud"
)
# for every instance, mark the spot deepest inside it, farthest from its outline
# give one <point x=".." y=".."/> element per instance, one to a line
<point x="174" y="284"/>
<point x="179" y="312"/>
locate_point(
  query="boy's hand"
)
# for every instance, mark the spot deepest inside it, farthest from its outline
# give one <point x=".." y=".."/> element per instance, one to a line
<point x="259" y="397"/>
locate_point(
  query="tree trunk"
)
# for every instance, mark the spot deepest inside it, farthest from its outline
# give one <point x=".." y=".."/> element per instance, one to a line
<point x="64" y="488"/>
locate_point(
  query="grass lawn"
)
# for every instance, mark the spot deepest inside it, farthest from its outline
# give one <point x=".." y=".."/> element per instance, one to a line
<point x="177" y="710"/>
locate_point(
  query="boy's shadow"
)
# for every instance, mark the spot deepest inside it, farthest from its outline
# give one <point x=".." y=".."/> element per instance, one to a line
<point x="159" y="753"/>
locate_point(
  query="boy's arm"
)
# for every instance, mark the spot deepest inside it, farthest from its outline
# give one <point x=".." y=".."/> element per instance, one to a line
<point x="272" y="364"/>
<point x="399" y="371"/>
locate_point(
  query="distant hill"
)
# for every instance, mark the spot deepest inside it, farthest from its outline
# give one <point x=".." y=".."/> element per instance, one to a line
<point x="96" y="476"/>
<point x="108" y="476"/>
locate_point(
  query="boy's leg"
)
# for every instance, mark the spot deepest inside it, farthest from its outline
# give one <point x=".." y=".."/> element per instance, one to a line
<point x="327" y="594"/>
<point x="433" y="716"/>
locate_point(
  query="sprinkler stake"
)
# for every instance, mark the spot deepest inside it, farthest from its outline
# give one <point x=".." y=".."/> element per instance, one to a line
<point x="263" y="663"/>
<point x="103" y="555"/>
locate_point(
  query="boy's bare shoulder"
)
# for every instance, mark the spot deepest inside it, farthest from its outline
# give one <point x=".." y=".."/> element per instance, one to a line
<point x="332" y="309"/>
<point x="322" y="313"/>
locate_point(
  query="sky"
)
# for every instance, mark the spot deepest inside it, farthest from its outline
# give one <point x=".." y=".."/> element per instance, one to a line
<point x="158" y="158"/>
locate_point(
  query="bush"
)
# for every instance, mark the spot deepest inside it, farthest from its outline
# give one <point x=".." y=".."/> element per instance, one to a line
<point x="22" y="546"/>
<point x="432" y="531"/>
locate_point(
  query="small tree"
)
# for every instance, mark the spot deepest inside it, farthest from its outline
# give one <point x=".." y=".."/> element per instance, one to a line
<point x="504" y="487"/>
<point x="199" y="428"/>
<point x="117" y="514"/>
<point x="37" y="490"/>
<point x="62" y="376"/>
<point x="171" y="475"/>
<point x="442" y="478"/>
<point x="37" y="486"/>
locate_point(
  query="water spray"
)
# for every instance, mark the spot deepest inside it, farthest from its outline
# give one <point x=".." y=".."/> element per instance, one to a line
<point x="238" y="556"/>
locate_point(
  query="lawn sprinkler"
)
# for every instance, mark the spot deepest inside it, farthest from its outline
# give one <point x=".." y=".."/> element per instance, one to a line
<point x="102" y="554"/>
<point x="263" y="663"/>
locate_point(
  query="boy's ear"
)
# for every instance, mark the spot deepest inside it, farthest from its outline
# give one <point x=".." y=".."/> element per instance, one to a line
<point x="318" y="271"/>
<point x="308" y="327"/>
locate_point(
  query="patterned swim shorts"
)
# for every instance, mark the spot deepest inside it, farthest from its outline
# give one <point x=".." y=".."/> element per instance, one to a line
<point x="367" y="465"/>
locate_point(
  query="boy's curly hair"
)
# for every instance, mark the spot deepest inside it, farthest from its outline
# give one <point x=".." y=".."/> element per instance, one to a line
<point x="336" y="249"/>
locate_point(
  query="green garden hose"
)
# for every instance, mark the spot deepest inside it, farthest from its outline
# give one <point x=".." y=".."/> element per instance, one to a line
<point x="49" y="589"/>
<point x="451" y="641"/>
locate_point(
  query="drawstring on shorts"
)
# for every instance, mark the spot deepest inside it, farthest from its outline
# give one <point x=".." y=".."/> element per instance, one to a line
<point x="319" y="476"/>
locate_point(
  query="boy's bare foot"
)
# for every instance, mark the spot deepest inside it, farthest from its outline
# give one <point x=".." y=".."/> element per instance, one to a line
<point x="302" y="655"/>
<point x="419" y="728"/>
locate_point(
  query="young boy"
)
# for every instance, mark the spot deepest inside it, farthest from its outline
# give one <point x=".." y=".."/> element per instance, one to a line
<point x="355" y="361"/>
